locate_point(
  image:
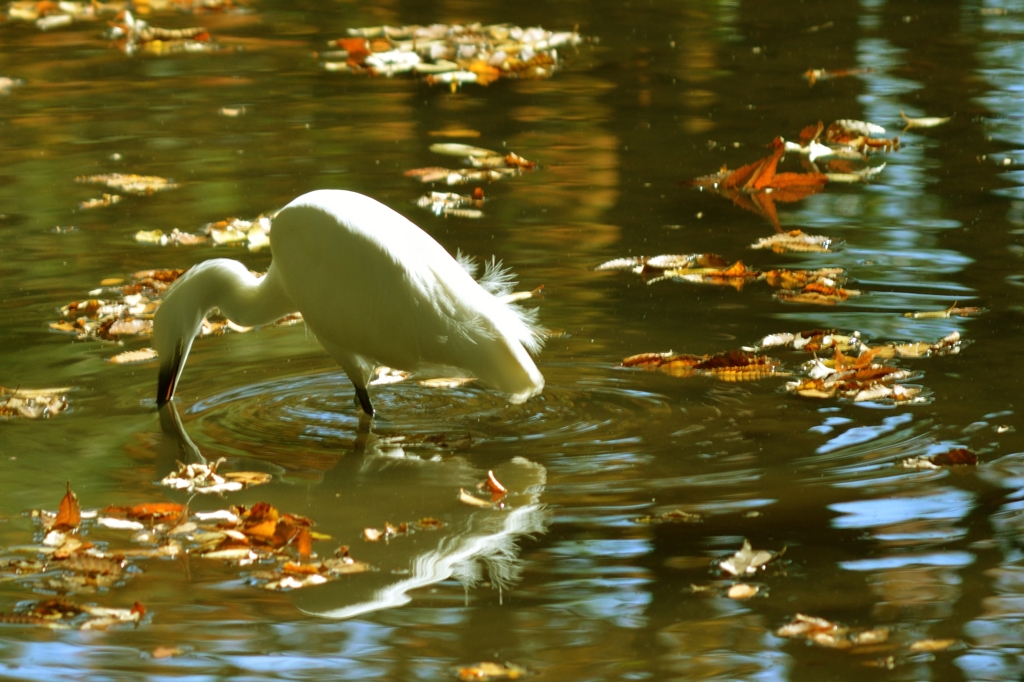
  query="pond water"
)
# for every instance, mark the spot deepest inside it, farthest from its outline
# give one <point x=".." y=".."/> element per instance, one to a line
<point x="571" y="580"/>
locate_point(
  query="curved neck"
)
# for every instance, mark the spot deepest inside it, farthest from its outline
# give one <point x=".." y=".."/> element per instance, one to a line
<point x="219" y="283"/>
<point x="242" y="297"/>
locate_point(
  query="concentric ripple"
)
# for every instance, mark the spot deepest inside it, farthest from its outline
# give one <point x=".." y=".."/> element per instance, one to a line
<point x="313" y="417"/>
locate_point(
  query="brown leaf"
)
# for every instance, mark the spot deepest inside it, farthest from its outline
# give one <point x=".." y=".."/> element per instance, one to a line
<point x="955" y="457"/>
<point x="260" y="521"/>
<point x="304" y="543"/>
<point x="152" y="511"/>
<point x="69" y="514"/>
<point x="759" y="174"/>
<point x="491" y="671"/>
<point x="429" y="523"/>
<point x="932" y="644"/>
<point x="741" y="591"/>
<point x="493" y="485"/>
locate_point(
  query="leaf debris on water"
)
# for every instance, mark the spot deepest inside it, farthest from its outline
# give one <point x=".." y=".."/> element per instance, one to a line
<point x="491" y="671"/>
<point x="452" y="55"/>
<point x="131" y="184"/>
<point x="830" y="635"/>
<point x="450" y="204"/>
<point x="204" y="478"/>
<point x="135" y="35"/>
<point x="952" y="311"/>
<point x="797" y="241"/>
<point x="950" y="458"/>
<point x="39" y="403"/>
<point x="926" y="122"/>
<point x="747" y="561"/>
<point x="734" y="365"/>
<point x="673" y="516"/>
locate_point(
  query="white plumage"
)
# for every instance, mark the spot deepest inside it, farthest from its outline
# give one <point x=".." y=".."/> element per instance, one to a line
<point x="374" y="289"/>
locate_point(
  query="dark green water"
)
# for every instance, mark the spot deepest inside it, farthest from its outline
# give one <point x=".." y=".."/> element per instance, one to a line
<point x="591" y="593"/>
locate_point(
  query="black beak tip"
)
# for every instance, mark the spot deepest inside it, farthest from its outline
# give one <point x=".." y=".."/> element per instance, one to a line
<point x="168" y="378"/>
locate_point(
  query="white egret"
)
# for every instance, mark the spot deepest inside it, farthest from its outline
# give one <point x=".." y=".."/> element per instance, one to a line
<point x="374" y="289"/>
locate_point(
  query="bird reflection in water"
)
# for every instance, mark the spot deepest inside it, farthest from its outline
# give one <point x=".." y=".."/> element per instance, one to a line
<point x="472" y="541"/>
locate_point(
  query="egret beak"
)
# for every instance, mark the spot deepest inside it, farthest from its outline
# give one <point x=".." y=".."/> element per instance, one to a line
<point x="363" y="398"/>
<point x="169" y="370"/>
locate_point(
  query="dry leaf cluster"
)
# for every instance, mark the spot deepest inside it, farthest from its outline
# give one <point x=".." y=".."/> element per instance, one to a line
<point x="32" y="403"/>
<point x="451" y="55"/>
<point x="135" y="36"/>
<point x="483" y="165"/>
<point x="817" y="287"/>
<point x="735" y="365"/>
<point x="830" y="635"/>
<point x="848" y="367"/>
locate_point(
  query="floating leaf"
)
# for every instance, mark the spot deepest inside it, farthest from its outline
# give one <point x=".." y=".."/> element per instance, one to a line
<point x="491" y="671"/>
<point x="460" y="177"/>
<point x="69" y="514"/>
<point x="932" y="645"/>
<point x="452" y="54"/>
<point x="728" y="366"/>
<point x="429" y="523"/>
<point x="176" y="237"/>
<point x="817" y="293"/>
<point x="133" y="356"/>
<point x="204" y="478"/>
<point x="950" y="344"/>
<point x="449" y="204"/>
<point x="814" y="75"/>
<point x="797" y="241"/>
<point x="386" y="375"/>
<point x="462" y="150"/>
<point x="742" y="591"/>
<point x="659" y="264"/>
<point x="950" y="458"/>
<point x="134" y="35"/>
<point x="446" y="382"/>
<point x="927" y="122"/>
<point x="952" y="311"/>
<point x="756" y="187"/>
<point x="674" y="516"/>
<point x="152" y="511"/>
<point x="101" y="202"/>
<point x="32" y="403"/>
<point x="801" y="279"/>
<point x="857" y="135"/>
<point x="747" y="561"/>
<point x="59" y="613"/>
<point x="132" y="184"/>
<point x="493" y="485"/>
<point x="824" y="633"/>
